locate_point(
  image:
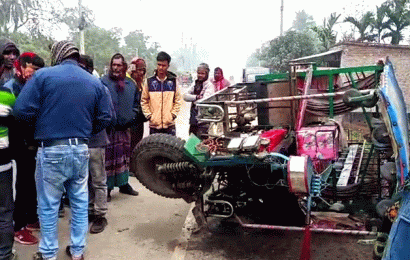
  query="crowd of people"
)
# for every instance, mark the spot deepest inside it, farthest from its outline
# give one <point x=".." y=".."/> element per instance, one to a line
<point x="71" y="135"/>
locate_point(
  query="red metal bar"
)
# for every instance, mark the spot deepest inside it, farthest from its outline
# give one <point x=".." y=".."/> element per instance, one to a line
<point x="318" y="230"/>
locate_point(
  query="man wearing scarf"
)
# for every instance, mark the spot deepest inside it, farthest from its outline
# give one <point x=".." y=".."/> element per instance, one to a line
<point x="219" y="81"/>
<point x="65" y="105"/>
<point x="117" y="153"/>
<point x="202" y="88"/>
<point x="24" y="152"/>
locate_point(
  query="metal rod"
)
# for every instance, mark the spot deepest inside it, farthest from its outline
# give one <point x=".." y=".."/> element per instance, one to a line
<point x="311" y="96"/>
<point x="331" y="100"/>
<point x="360" y="162"/>
<point x="303" y="105"/>
<point x="318" y="230"/>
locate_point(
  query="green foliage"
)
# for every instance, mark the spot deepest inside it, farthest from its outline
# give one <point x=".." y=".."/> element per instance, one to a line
<point x="303" y="21"/>
<point x="398" y="13"/>
<point x="100" y="44"/>
<point x="253" y="59"/>
<point x="137" y="44"/>
<point x="38" y="44"/>
<point x="36" y="16"/>
<point x="71" y="16"/>
<point x="278" y="52"/>
<point x="380" y="23"/>
<point x="389" y="21"/>
<point x="363" y="25"/>
<point x="325" y="33"/>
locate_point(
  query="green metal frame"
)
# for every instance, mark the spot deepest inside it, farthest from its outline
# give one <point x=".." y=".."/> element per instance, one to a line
<point x="322" y="72"/>
<point x="330" y="73"/>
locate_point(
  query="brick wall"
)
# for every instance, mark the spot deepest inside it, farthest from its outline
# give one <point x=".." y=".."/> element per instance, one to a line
<point x="364" y="54"/>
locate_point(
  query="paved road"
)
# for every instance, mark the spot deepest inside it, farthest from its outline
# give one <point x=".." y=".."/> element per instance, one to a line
<point x="143" y="227"/>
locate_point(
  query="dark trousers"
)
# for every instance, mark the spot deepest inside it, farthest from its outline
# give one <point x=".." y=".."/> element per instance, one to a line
<point x="170" y="130"/>
<point x="137" y="132"/>
<point x="25" y="205"/>
<point x="6" y="214"/>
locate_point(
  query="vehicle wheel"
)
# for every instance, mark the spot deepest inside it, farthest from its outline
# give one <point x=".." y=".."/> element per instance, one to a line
<point x="158" y="149"/>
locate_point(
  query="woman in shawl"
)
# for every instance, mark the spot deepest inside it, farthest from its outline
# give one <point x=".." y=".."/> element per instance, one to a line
<point x="219" y="81"/>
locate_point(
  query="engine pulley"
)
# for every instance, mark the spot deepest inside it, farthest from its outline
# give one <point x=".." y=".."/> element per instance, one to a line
<point x="300" y="172"/>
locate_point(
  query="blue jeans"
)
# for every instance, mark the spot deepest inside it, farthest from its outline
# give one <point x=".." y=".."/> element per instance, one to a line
<point x="398" y="244"/>
<point x="6" y="211"/>
<point x="57" y="168"/>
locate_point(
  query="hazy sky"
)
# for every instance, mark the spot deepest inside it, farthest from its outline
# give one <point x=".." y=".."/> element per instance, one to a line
<point x="227" y="30"/>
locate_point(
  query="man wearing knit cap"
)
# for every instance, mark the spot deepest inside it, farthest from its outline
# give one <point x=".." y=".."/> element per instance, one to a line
<point x="66" y="105"/>
<point x="10" y="53"/>
<point x="202" y="88"/>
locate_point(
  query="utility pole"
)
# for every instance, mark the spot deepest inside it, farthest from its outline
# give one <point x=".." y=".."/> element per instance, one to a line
<point x="81" y="25"/>
<point x="281" y="18"/>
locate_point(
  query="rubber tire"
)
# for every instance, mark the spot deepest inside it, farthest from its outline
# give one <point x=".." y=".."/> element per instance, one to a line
<point x="157" y="148"/>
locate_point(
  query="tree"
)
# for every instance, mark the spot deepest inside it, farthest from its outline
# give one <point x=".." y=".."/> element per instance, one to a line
<point x="137" y="44"/>
<point x="278" y="52"/>
<point x="380" y="23"/>
<point x="188" y="57"/>
<point x="303" y="21"/>
<point x="253" y="60"/>
<point x="325" y="33"/>
<point x="38" y="16"/>
<point x="398" y="13"/>
<point x="38" y="44"/>
<point x="71" y="17"/>
<point x="363" y="25"/>
<point x="100" y="44"/>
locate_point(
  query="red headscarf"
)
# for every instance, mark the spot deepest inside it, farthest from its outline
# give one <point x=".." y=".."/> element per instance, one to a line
<point x="17" y="63"/>
<point x="220" y="83"/>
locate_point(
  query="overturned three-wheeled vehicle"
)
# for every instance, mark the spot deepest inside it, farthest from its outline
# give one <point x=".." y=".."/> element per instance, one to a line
<point x="325" y="149"/>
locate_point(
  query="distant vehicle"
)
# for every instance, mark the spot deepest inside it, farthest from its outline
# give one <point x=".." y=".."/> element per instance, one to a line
<point x="250" y="73"/>
<point x="186" y="79"/>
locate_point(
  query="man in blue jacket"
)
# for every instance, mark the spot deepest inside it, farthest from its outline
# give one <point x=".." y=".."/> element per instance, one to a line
<point x="66" y="105"/>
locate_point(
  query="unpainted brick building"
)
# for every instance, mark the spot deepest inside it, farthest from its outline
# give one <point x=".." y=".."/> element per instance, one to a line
<point x="354" y="54"/>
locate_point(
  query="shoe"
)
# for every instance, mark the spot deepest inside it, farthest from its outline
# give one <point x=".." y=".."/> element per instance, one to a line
<point x="38" y="256"/>
<point x="25" y="237"/>
<point x="98" y="225"/>
<point x="68" y="252"/>
<point x="33" y="227"/>
<point x="379" y="245"/>
<point x="109" y="195"/>
<point x="127" y="189"/>
<point x="91" y="218"/>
